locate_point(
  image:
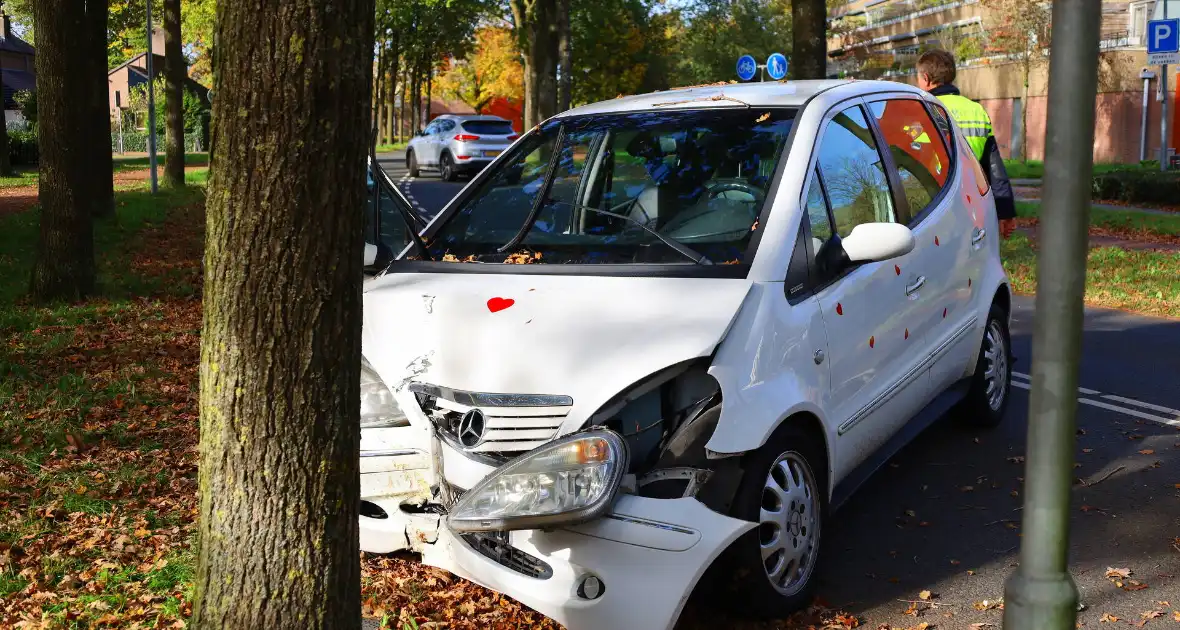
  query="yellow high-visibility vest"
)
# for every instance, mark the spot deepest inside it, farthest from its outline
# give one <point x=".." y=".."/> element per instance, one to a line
<point x="972" y="119"/>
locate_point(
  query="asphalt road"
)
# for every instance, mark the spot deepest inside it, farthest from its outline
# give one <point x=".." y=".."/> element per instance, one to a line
<point x="944" y="516"/>
<point x="428" y="192"/>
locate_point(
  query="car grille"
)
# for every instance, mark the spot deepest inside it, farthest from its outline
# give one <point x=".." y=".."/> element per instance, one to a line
<point x="495" y="547"/>
<point x="511" y="423"/>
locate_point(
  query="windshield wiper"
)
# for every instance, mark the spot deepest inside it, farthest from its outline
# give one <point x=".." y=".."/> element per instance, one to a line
<point x="542" y="196"/>
<point x="680" y="248"/>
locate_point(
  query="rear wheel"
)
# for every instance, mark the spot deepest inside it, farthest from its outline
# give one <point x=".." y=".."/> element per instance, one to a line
<point x="412" y="164"/>
<point x="447" y="165"/>
<point x="784" y="492"/>
<point x="987" y="400"/>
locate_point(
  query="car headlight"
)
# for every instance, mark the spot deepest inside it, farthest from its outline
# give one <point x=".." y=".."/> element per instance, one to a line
<point x="567" y="481"/>
<point x="378" y="407"/>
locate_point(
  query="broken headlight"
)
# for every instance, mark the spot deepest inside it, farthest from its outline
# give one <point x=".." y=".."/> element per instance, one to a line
<point x="378" y="407"/>
<point x="569" y="480"/>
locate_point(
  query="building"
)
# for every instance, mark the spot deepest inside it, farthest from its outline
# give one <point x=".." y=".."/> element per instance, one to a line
<point x="16" y="60"/>
<point x="882" y="39"/>
<point x="133" y="73"/>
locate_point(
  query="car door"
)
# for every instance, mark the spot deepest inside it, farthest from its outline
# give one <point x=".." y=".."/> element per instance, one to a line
<point x="922" y="149"/>
<point x="442" y="137"/>
<point x="427" y="148"/>
<point x="868" y="309"/>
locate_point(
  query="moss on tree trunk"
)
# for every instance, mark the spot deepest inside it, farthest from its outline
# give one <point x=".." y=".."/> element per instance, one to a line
<point x="280" y="351"/>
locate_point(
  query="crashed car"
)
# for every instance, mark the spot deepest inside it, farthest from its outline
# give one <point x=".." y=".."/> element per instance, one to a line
<point x="673" y="332"/>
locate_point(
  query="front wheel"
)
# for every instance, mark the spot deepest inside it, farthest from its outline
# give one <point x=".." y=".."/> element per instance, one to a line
<point x="987" y="400"/>
<point x="784" y="492"/>
<point x="448" y="168"/>
<point x="412" y="164"/>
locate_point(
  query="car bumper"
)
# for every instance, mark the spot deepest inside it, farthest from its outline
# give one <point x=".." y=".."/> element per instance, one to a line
<point x="471" y="165"/>
<point x="646" y="555"/>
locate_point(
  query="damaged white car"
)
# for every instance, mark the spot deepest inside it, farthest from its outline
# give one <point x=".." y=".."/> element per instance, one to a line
<point x="672" y="332"/>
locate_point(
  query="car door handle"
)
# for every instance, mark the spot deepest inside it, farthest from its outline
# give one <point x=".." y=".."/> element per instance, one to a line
<point x="911" y="288"/>
<point x="978" y="235"/>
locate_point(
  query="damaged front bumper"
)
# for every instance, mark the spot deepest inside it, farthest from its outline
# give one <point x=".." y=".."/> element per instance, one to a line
<point x="633" y="568"/>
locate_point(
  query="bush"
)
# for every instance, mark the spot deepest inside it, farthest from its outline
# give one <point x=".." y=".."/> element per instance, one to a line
<point x="1137" y="187"/>
<point x="22" y="147"/>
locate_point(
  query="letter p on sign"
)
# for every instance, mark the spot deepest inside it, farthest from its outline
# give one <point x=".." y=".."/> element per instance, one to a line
<point x="1163" y="36"/>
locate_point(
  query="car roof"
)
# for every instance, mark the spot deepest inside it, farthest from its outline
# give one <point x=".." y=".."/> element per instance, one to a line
<point x="467" y="117"/>
<point x="765" y="94"/>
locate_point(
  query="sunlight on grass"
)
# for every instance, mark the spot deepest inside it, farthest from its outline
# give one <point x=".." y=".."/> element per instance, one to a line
<point x="24" y="177"/>
<point x="1119" y="220"/>
<point x="140" y="162"/>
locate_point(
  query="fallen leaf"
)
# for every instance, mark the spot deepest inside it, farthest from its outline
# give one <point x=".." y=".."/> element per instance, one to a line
<point x="1018" y="459"/>
<point x="966" y="488"/>
<point x="981" y="625"/>
<point x="1087" y="450"/>
<point x="1117" y="573"/>
<point x="1147" y="451"/>
<point x="1152" y="614"/>
<point x="924" y="595"/>
<point x="1108" y="618"/>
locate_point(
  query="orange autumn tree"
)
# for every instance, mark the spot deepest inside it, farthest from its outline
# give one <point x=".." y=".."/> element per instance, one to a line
<point x="492" y="70"/>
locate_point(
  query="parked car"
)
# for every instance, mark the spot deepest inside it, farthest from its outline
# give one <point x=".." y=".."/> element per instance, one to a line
<point x="458" y="145"/>
<point x="676" y="331"/>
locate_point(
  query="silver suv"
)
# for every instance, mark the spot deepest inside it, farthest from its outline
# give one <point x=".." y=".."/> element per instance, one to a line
<point x="456" y="145"/>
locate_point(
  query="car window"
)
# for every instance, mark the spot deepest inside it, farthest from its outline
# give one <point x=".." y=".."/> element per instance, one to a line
<point x="817" y="214"/>
<point x="854" y="173"/>
<point x="943" y="122"/>
<point x="446" y="125"/>
<point x="431" y="128"/>
<point x="625" y="186"/>
<point x="917" y="148"/>
<point x="489" y="127"/>
<point x="387" y="225"/>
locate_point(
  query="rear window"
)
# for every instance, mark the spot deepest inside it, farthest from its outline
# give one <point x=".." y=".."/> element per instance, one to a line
<point x="489" y="127"/>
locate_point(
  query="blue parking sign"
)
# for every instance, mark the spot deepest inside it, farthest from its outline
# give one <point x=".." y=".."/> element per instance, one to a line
<point x="746" y="67"/>
<point x="1163" y="36"/>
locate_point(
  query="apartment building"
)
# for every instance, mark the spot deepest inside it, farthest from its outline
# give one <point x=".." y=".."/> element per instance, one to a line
<point x="882" y="39"/>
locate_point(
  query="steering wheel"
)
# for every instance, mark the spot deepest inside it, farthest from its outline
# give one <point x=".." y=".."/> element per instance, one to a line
<point x="755" y="192"/>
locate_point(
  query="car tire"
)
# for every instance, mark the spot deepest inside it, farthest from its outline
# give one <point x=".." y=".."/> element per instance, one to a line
<point x="991" y="385"/>
<point x="412" y="164"/>
<point x="446" y="166"/>
<point x="784" y="490"/>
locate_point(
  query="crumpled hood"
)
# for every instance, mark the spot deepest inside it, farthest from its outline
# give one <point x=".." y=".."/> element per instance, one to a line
<point x="580" y="336"/>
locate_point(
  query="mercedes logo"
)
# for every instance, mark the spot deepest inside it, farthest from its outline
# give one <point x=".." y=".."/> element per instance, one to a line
<point x="471" y="428"/>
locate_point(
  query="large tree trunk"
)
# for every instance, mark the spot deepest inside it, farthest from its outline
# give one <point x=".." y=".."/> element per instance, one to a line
<point x="429" y="93"/>
<point x="566" y="80"/>
<point x="174" y="70"/>
<point x="98" y="96"/>
<point x="536" y="29"/>
<point x="391" y="90"/>
<point x="809" y="50"/>
<point x="280" y="349"/>
<point x="65" y="251"/>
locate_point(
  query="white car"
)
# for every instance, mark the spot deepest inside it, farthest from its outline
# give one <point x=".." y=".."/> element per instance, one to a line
<point x="458" y="145"/>
<point x="675" y="331"/>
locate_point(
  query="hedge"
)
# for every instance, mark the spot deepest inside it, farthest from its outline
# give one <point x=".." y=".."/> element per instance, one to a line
<point x="137" y="142"/>
<point x="1137" y="187"/>
<point x="22" y="147"/>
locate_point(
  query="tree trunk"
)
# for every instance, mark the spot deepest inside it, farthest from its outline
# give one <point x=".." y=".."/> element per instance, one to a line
<point x="5" y="157"/>
<point x="279" y="479"/>
<point x="1024" y="119"/>
<point x="391" y="90"/>
<point x="429" y="93"/>
<point x="102" y="166"/>
<point x="378" y="102"/>
<point x="809" y="48"/>
<point x="64" y="269"/>
<point x="566" y="79"/>
<point x="537" y="28"/>
<point x="174" y="70"/>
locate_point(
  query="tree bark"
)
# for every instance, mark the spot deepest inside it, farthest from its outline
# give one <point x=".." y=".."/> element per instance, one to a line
<point x="5" y="157"/>
<point x="102" y="166"/>
<point x="378" y="102"/>
<point x="809" y="48"/>
<point x="391" y="90"/>
<point x="536" y="29"/>
<point x="429" y="93"/>
<point x="566" y="79"/>
<point x="279" y="481"/>
<point x="64" y="269"/>
<point x="174" y="71"/>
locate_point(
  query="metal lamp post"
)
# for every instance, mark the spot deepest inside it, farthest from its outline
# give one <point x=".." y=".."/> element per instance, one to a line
<point x="1041" y="594"/>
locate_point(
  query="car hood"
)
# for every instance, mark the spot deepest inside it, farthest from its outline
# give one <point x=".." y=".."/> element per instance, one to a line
<point x="584" y="337"/>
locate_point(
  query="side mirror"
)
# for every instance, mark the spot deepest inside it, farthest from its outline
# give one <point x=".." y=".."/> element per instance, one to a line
<point x="370" y="254"/>
<point x="872" y="242"/>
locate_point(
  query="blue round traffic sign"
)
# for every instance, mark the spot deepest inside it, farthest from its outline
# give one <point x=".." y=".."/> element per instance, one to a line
<point x="746" y="67"/>
<point x="776" y="66"/>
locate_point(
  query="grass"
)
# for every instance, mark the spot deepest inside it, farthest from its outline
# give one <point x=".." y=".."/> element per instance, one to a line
<point x="25" y="176"/>
<point x="140" y="162"/>
<point x="390" y="148"/>
<point x="1117" y="220"/>
<point x="1035" y="169"/>
<point x="1141" y="281"/>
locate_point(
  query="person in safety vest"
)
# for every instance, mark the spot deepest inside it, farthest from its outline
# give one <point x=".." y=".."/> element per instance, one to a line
<point x="936" y="75"/>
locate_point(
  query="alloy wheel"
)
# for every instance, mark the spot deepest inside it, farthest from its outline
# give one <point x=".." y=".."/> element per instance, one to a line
<point x="789" y="523"/>
<point x="995" y="374"/>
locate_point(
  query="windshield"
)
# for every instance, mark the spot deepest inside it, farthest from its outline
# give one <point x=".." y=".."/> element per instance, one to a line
<point x="489" y="127"/>
<point x="660" y="187"/>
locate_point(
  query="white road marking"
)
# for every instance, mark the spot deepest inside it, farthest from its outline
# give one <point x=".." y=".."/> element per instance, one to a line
<point x="1173" y="421"/>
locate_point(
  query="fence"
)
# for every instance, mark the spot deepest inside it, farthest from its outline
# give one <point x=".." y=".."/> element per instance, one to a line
<point x="137" y="142"/>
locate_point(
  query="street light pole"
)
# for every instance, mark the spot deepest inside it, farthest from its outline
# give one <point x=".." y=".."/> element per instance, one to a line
<point x="151" y="130"/>
<point x="1041" y="594"/>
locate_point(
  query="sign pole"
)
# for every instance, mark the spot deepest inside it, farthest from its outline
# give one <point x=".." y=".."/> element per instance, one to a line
<point x="1041" y="594"/>
<point x="1164" y="109"/>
